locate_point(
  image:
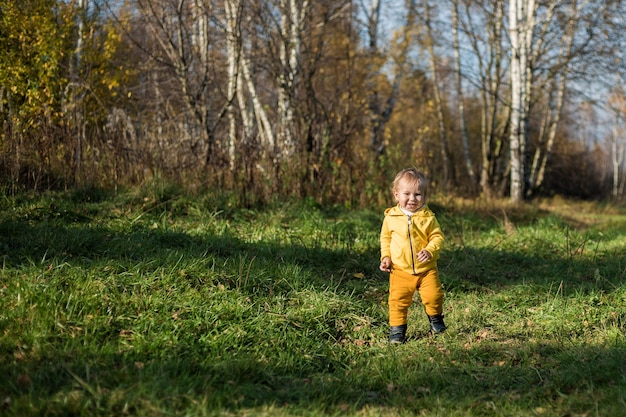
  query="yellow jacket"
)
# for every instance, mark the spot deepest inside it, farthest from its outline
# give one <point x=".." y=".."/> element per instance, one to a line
<point x="401" y="238"/>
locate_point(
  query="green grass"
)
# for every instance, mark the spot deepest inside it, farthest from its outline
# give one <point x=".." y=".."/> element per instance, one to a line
<point x="157" y="304"/>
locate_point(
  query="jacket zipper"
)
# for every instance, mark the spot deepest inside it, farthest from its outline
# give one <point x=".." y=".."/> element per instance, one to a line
<point x="408" y="230"/>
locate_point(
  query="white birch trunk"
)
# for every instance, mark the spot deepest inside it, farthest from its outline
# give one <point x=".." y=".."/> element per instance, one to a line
<point x="540" y="161"/>
<point x="521" y="26"/>
<point x="617" y="158"/>
<point x="547" y="136"/>
<point x="200" y="36"/>
<point x="515" y="11"/>
<point x="265" y="128"/>
<point x="246" y="111"/>
<point x="233" y="51"/>
<point x="292" y="25"/>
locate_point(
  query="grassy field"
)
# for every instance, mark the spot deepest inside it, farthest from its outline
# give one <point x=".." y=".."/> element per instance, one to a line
<point x="156" y="304"/>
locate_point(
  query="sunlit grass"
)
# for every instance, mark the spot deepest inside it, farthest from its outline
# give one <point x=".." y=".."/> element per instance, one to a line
<point x="153" y="303"/>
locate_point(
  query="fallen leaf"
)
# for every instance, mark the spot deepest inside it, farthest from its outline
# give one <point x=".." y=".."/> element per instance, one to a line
<point x="23" y="380"/>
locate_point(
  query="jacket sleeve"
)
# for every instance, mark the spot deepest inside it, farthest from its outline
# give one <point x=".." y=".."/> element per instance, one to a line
<point x="435" y="239"/>
<point x="385" y="240"/>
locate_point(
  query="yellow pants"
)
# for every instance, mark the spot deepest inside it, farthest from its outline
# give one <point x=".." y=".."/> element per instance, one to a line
<point x="402" y="286"/>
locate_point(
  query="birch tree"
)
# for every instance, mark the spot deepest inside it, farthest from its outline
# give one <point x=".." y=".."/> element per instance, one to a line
<point x="233" y="10"/>
<point x="617" y="141"/>
<point x="292" y="22"/>
<point x="617" y="157"/>
<point x="261" y="116"/>
<point x="242" y="45"/>
<point x="521" y="27"/>
<point x="550" y="41"/>
<point x="482" y="26"/>
<point x="573" y="40"/>
<point x="552" y="113"/>
<point x="184" y="32"/>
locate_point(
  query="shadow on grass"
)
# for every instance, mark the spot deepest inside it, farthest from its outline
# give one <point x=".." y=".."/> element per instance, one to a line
<point x="23" y="243"/>
<point x="478" y="270"/>
<point x="488" y="380"/>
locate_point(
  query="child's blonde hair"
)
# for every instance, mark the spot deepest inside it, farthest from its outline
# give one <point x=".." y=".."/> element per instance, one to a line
<point x="412" y="175"/>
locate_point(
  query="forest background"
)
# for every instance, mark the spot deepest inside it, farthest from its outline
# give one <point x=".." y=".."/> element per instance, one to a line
<point x="315" y="99"/>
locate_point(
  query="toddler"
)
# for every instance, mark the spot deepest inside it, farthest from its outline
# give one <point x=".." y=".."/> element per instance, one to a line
<point x="410" y="241"/>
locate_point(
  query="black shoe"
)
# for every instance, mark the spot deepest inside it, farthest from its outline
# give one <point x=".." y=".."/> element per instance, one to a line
<point x="436" y="324"/>
<point x="397" y="334"/>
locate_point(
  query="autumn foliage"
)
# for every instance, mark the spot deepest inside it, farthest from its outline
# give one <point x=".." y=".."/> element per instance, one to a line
<point x="320" y="99"/>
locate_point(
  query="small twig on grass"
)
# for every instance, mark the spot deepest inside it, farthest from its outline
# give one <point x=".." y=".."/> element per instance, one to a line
<point x="241" y="278"/>
<point x="133" y="221"/>
<point x="82" y="383"/>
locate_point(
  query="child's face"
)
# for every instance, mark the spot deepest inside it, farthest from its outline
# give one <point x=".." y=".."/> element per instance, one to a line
<point x="409" y="195"/>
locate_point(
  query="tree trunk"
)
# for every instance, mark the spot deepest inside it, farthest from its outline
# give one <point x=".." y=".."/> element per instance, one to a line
<point x="489" y="77"/>
<point x="77" y="93"/>
<point x="542" y="156"/>
<point x="379" y="114"/>
<point x="441" y="127"/>
<point x="547" y="135"/>
<point x="617" y="159"/>
<point x="521" y="25"/>
<point x="377" y="142"/>
<point x="292" y="25"/>
<point x="469" y="166"/>
<point x="233" y="49"/>
<point x="263" y="121"/>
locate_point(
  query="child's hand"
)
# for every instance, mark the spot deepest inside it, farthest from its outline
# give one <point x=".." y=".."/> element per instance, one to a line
<point x="385" y="264"/>
<point x="424" y="256"/>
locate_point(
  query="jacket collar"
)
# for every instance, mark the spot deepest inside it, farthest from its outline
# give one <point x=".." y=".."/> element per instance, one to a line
<point x="396" y="211"/>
